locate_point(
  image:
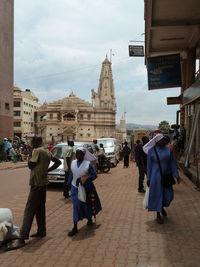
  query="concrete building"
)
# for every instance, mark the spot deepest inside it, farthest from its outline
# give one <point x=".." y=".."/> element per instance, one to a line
<point x="173" y="27"/>
<point x="24" y="107"/>
<point x="6" y="67"/>
<point x="72" y="117"/>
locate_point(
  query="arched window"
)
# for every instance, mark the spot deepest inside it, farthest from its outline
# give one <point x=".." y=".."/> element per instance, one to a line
<point x="69" y="117"/>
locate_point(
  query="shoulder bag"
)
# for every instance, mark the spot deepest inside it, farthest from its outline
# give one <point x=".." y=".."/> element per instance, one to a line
<point x="168" y="179"/>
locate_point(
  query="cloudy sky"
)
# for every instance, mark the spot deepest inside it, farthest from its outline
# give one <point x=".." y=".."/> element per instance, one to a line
<point x="60" y="46"/>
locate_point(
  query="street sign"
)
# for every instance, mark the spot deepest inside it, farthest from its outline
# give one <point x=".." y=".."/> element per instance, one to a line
<point x="136" y="50"/>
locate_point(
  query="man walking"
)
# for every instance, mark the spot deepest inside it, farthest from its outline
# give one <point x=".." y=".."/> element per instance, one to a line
<point x="68" y="156"/>
<point x="141" y="161"/>
<point x="35" y="206"/>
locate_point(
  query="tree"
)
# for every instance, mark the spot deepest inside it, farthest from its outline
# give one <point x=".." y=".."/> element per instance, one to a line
<point x="164" y="126"/>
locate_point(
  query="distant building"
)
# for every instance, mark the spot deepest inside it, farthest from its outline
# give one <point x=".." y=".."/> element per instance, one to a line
<point x="122" y="128"/>
<point x="80" y="120"/>
<point x="6" y="67"/>
<point x="24" y="107"/>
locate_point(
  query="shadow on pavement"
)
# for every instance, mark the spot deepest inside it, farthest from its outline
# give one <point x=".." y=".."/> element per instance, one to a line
<point x="86" y="232"/>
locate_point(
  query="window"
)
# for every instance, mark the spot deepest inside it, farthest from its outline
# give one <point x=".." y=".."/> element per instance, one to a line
<point x="50" y="134"/>
<point x="17" y="124"/>
<point x="89" y="117"/>
<point x="81" y="116"/>
<point x="17" y="104"/>
<point x="81" y="134"/>
<point x="88" y="134"/>
<point x="7" y="106"/>
<point x="17" y="113"/>
<point x="51" y="116"/>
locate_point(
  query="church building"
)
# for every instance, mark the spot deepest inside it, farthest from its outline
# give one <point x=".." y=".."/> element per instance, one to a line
<point x="77" y="119"/>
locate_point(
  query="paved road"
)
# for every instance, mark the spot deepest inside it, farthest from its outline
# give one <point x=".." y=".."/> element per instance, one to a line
<point x="124" y="235"/>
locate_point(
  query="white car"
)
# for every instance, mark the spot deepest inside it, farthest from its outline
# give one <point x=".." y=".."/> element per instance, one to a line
<point x="58" y="175"/>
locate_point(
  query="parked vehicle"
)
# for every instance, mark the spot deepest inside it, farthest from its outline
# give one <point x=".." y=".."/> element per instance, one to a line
<point x="111" y="147"/>
<point x="58" y="175"/>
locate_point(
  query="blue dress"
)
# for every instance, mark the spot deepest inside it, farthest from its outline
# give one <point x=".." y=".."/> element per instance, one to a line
<point x="83" y="210"/>
<point x="160" y="196"/>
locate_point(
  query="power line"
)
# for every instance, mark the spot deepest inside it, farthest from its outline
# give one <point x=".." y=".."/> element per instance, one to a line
<point x="64" y="72"/>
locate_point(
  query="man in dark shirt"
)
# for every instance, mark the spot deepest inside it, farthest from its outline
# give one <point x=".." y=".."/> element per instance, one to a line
<point x="141" y="161"/>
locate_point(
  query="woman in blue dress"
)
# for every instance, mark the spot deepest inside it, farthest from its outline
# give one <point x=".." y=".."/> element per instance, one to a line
<point x="159" y="196"/>
<point x="83" y="172"/>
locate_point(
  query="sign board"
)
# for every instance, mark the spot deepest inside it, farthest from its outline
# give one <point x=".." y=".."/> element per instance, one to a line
<point x="136" y="50"/>
<point x="164" y="71"/>
<point x="174" y="100"/>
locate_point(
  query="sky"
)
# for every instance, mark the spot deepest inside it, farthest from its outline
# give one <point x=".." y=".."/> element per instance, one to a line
<point x="60" y="46"/>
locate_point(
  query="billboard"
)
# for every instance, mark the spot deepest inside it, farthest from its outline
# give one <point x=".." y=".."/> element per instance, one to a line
<point x="164" y="71"/>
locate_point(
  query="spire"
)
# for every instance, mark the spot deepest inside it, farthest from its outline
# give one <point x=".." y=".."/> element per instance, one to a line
<point x="106" y="94"/>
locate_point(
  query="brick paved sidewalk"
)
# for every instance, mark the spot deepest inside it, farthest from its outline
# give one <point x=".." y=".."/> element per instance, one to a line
<point x="124" y="235"/>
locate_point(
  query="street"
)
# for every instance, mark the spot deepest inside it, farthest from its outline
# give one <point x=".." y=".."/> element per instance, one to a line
<point x="124" y="235"/>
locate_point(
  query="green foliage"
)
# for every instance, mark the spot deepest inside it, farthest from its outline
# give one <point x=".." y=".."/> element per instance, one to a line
<point x="164" y="126"/>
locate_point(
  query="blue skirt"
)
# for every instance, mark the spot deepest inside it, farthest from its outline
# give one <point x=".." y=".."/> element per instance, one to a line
<point x="84" y="210"/>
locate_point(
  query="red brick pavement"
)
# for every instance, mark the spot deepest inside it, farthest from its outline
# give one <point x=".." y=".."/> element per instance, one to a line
<point x="124" y="235"/>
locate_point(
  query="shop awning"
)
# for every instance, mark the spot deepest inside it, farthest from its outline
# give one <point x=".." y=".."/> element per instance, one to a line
<point x="192" y="93"/>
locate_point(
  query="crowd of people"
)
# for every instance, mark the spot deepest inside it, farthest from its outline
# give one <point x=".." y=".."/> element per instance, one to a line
<point x="154" y="158"/>
<point x="16" y="150"/>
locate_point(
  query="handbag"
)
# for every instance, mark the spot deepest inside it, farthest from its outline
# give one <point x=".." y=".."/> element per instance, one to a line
<point x="81" y="193"/>
<point x="146" y="199"/>
<point x="168" y="179"/>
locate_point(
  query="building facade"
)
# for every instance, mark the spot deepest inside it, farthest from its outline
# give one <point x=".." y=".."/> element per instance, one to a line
<point x="25" y="104"/>
<point x="172" y="27"/>
<point x="78" y="119"/>
<point x="6" y="67"/>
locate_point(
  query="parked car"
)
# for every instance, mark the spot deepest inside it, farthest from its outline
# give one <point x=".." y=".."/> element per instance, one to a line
<point x="58" y="175"/>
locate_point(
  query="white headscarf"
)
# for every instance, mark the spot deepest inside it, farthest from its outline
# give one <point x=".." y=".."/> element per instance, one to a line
<point x="152" y="142"/>
<point x="87" y="155"/>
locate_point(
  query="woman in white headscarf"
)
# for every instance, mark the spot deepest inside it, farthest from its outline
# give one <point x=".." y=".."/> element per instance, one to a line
<point x="83" y="172"/>
<point x="160" y="196"/>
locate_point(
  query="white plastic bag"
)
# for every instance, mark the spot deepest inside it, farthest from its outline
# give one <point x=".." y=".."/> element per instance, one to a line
<point x="81" y="193"/>
<point x="146" y="199"/>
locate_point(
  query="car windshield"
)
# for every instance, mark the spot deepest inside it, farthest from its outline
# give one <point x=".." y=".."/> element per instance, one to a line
<point x="57" y="151"/>
<point x="106" y="143"/>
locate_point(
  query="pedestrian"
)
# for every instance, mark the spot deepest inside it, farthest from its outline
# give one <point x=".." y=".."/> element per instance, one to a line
<point x="160" y="165"/>
<point x="68" y="156"/>
<point x="141" y="161"/>
<point x="83" y="172"/>
<point x="4" y="150"/>
<point x="126" y="151"/>
<point x="182" y="137"/>
<point x="168" y="143"/>
<point x="35" y="206"/>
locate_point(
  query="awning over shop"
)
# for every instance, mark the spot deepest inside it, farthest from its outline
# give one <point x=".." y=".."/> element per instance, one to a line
<point x="192" y="93"/>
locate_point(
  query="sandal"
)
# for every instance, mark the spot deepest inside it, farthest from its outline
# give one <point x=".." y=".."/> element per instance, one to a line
<point x="15" y="244"/>
<point x="73" y="232"/>
<point x="164" y="213"/>
<point x="160" y="220"/>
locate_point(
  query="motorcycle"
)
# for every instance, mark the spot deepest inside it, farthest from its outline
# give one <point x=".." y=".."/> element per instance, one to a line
<point x="103" y="164"/>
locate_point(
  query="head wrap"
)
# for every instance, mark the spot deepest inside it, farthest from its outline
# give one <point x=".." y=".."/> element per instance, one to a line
<point x="87" y="155"/>
<point x="152" y="142"/>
